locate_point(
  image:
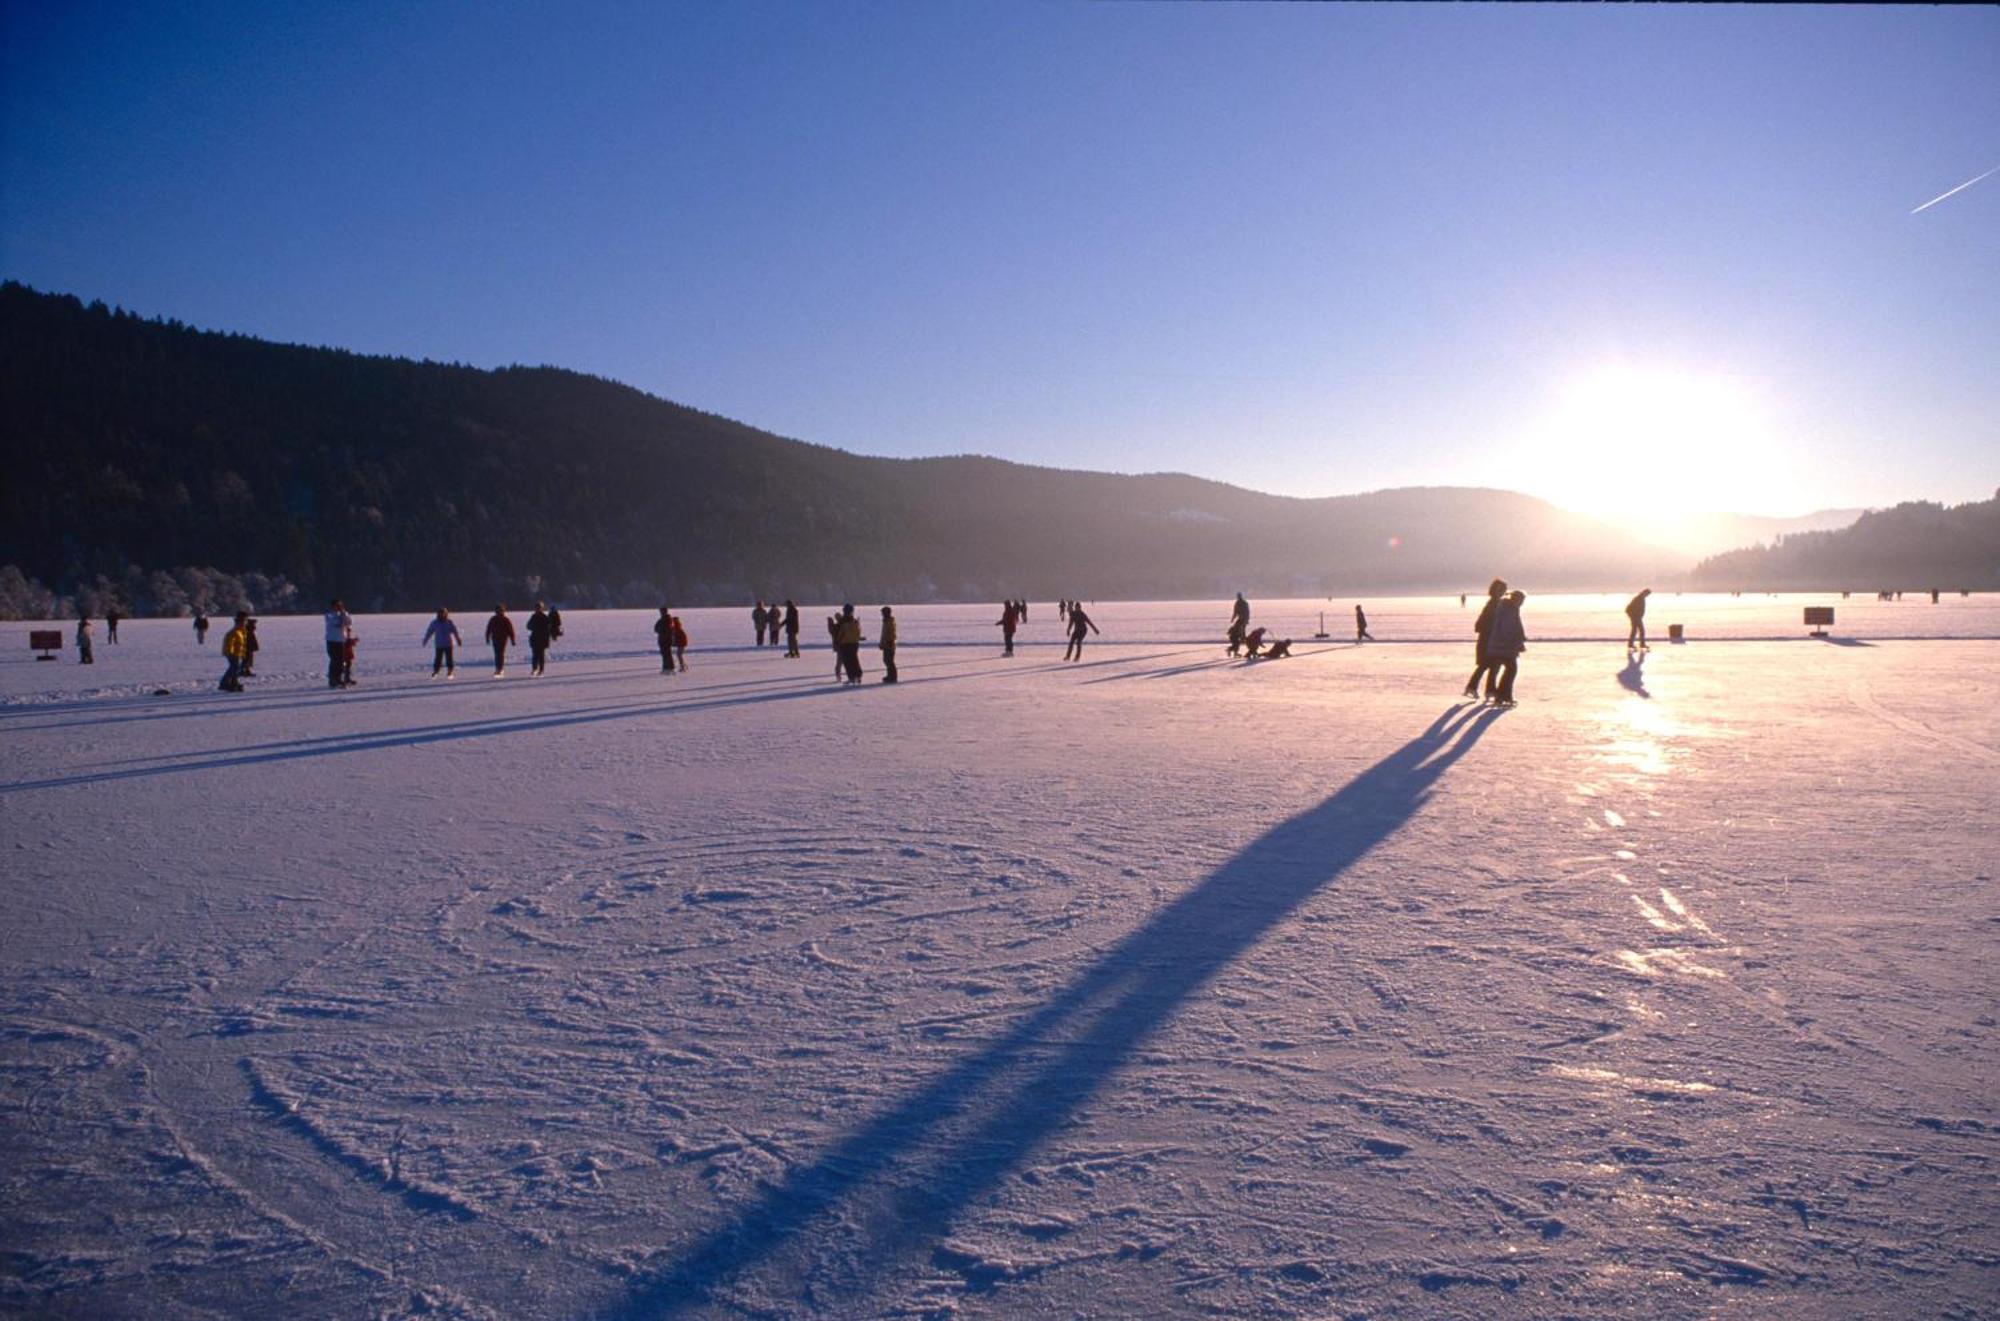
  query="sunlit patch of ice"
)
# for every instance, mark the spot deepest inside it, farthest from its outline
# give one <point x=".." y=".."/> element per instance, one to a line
<point x="1580" y="1073"/>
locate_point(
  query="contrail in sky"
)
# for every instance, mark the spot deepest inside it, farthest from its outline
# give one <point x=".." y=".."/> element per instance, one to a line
<point x="1961" y="188"/>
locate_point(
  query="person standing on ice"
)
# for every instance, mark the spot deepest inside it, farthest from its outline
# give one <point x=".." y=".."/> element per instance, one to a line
<point x="83" y="647"/>
<point x="761" y="618"/>
<point x="1635" y="611"/>
<point x="1482" y="628"/>
<point x="250" y="647"/>
<point x="539" y="638"/>
<point x="233" y="652"/>
<point x="1007" y="623"/>
<point x="443" y="635"/>
<point x="500" y="634"/>
<point x="111" y="618"/>
<point x="1505" y="644"/>
<point x="1078" y="622"/>
<point x="1361" y="633"/>
<point x="888" y="645"/>
<point x="791" y="628"/>
<point x="680" y="644"/>
<point x="200" y="629"/>
<point x="847" y="642"/>
<point x="339" y="627"/>
<point x="665" y="631"/>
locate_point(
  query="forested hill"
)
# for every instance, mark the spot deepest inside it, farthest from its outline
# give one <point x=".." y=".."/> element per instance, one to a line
<point x="1911" y="547"/>
<point x="138" y="445"/>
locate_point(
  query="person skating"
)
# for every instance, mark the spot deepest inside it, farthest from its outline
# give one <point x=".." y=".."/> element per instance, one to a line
<point x="339" y="625"/>
<point x="250" y="647"/>
<point x="665" y="631"/>
<point x="234" y="643"/>
<point x="888" y="645"/>
<point x="1506" y="643"/>
<point x="791" y="628"/>
<point x="442" y="634"/>
<point x="1635" y="611"/>
<point x="111" y="618"/>
<point x="1361" y="633"/>
<point x="680" y="644"/>
<point x="847" y="642"/>
<point x="84" y="650"/>
<point x="761" y="618"/>
<point x="539" y="638"/>
<point x="500" y="635"/>
<point x="1009" y="620"/>
<point x="1078" y="622"/>
<point x="347" y="659"/>
<point x="200" y="629"/>
<point x="1482" y="628"/>
<point x="555" y="626"/>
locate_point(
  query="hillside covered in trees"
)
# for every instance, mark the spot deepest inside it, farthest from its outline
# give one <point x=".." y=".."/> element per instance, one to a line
<point x="1911" y="547"/>
<point x="145" y="454"/>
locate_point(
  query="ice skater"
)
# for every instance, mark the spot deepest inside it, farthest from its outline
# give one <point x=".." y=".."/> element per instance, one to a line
<point x="888" y="645"/>
<point x="539" y="637"/>
<point x="200" y="629"/>
<point x="791" y="628"/>
<point x="111" y="618"/>
<point x="500" y="635"/>
<point x="663" y="629"/>
<point x="1361" y="633"/>
<point x="84" y="654"/>
<point x="442" y="635"/>
<point x="1635" y="611"/>
<point x="760" y="619"/>
<point x="1239" y="623"/>
<point x="1078" y="623"/>
<point x="250" y="647"/>
<point x="1010" y="619"/>
<point x="233" y="644"/>
<point x="680" y="644"/>
<point x="1505" y="644"/>
<point x="847" y="642"/>
<point x="339" y="627"/>
<point x="1482" y="628"/>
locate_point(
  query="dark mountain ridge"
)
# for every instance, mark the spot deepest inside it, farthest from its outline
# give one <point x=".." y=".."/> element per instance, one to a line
<point x="138" y="445"/>
<point x="1915" y="546"/>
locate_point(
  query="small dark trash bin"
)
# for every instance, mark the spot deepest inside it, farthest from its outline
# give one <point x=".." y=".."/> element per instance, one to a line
<point x="1674" y="633"/>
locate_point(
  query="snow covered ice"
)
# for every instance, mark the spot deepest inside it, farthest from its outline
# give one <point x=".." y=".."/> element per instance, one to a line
<point x="1158" y="984"/>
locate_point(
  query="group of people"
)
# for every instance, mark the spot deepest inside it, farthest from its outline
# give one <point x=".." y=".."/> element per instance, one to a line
<point x="1501" y="638"/>
<point x="771" y="620"/>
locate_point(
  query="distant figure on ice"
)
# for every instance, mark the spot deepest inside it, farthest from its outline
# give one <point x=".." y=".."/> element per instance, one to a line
<point x="1279" y="649"/>
<point x="1239" y="623"/>
<point x="539" y="637"/>
<point x="1078" y="622"/>
<point x="847" y="642"/>
<point x="83" y="651"/>
<point x="500" y="634"/>
<point x="833" y="640"/>
<point x="250" y="647"/>
<point x="200" y="629"/>
<point x="680" y="644"/>
<point x="111" y="618"/>
<point x="1010" y="619"/>
<point x="663" y="629"/>
<point x="234" y="644"/>
<point x="1361" y="633"/>
<point x="1482" y="628"/>
<point x="1635" y="610"/>
<point x="791" y="627"/>
<point x="1461" y="600"/>
<point x="888" y="645"/>
<point x="1505" y="644"/>
<point x="761" y="619"/>
<point x="1253" y="642"/>
<point x="555" y="627"/>
<point x="339" y="627"/>
<point x="442" y="634"/>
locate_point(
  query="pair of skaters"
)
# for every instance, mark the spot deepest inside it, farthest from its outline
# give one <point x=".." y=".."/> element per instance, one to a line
<point x="844" y="629"/>
<point x="672" y="638"/>
<point x="1500" y="640"/>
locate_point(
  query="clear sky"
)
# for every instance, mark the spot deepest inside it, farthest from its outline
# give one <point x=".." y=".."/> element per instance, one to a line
<point x="1602" y="254"/>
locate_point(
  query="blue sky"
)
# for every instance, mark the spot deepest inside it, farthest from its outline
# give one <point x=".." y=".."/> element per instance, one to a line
<point x="1595" y="253"/>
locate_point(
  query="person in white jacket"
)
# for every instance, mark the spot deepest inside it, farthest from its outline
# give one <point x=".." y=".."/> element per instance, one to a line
<point x="443" y="635"/>
<point x="339" y="632"/>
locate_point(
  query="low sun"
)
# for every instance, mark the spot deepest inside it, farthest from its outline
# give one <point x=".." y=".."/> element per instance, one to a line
<point x="1657" y="441"/>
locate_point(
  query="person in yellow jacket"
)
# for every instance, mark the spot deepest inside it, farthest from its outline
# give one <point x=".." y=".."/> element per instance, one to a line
<point x="847" y="642"/>
<point x="888" y="645"/>
<point x="235" y="646"/>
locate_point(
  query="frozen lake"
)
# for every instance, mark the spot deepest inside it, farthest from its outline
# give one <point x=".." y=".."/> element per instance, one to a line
<point x="1160" y="984"/>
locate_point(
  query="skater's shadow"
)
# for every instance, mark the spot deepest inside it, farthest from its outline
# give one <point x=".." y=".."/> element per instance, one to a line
<point x="1633" y="677"/>
<point x="890" y="1189"/>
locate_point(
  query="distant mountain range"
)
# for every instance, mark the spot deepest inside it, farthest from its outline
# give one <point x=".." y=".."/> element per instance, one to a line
<point x="137" y="446"/>
<point x="1912" y="547"/>
<point x="1697" y="535"/>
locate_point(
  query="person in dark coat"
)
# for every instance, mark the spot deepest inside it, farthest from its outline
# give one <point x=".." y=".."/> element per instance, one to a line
<point x="500" y="633"/>
<point x="1239" y="623"/>
<point x="200" y="629"/>
<point x="1361" y="633"/>
<point x="1078" y="622"/>
<point x="761" y="618"/>
<point x="83" y="649"/>
<point x="1009" y="620"/>
<point x="111" y="618"/>
<point x="888" y="645"/>
<point x="663" y="629"/>
<point x="1635" y="611"/>
<point x="250" y="647"/>
<point x="1481" y="627"/>
<point x="847" y="642"/>
<point x="791" y="628"/>
<point x="1505" y="643"/>
<point x="539" y="637"/>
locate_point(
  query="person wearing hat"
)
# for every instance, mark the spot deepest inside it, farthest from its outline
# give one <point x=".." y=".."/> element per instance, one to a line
<point x="233" y="644"/>
<point x="888" y="645"/>
<point x="847" y="642"/>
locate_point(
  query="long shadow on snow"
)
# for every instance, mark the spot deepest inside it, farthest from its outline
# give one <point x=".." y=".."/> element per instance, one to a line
<point x="905" y="1174"/>
<point x="1226" y="663"/>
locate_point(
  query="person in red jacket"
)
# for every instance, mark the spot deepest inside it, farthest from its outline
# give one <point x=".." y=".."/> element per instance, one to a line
<point x="1010" y="619"/>
<point x="680" y="644"/>
<point x="500" y="632"/>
